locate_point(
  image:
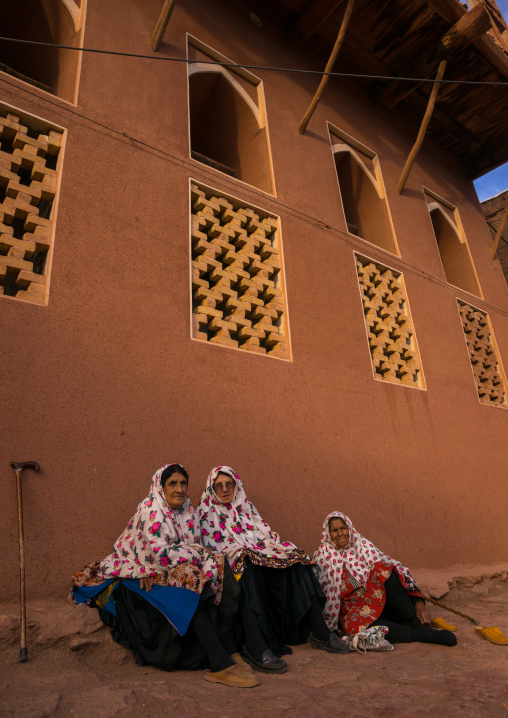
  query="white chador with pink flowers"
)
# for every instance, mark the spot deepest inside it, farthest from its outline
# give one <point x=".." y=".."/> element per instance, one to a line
<point x="238" y="530"/>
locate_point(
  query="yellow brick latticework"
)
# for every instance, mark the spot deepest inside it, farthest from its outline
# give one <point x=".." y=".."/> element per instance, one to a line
<point x="28" y="181"/>
<point x="390" y="330"/>
<point x="237" y="279"/>
<point x="482" y="353"/>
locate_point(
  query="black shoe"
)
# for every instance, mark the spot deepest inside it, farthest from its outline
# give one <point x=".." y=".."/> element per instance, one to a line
<point x="269" y="662"/>
<point x="333" y="645"/>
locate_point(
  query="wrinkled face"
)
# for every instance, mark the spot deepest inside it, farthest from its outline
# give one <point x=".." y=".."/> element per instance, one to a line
<point x="224" y="487"/>
<point x="175" y="490"/>
<point x="339" y="532"/>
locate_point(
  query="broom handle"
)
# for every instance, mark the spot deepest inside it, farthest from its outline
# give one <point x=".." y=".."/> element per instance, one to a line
<point x="453" y="610"/>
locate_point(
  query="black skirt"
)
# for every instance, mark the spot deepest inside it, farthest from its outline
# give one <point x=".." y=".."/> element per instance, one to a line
<point x="281" y="599"/>
<point x="154" y="641"/>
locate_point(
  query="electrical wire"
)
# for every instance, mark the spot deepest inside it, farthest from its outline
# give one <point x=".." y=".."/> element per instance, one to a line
<point x="233" y="65"/>
<point x="203" y="169"/>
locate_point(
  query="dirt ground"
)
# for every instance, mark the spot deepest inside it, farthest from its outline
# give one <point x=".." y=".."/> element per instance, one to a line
<point x="75" y="670"/>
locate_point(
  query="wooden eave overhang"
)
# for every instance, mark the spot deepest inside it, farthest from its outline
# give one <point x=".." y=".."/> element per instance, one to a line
<point x="404" y="38"/>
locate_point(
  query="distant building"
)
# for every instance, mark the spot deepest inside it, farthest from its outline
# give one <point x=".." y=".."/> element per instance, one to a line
<point x="493" y="211"/>
<point x="188" y="278"/>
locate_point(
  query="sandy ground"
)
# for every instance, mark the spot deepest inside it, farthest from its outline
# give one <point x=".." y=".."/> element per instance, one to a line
<point x="75" y="670"/>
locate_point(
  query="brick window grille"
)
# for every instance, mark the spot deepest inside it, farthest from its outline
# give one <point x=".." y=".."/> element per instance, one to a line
<point x="238" y="297"/>
<point x="28" y="181"/>
<point x="390" y="331"/>
<point x="485" y="363"/>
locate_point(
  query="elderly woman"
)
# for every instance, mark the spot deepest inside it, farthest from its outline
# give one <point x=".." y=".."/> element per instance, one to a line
<point x="280" y="599"/>
<point x="166" y="597"/>
<point x="365" y="587"/>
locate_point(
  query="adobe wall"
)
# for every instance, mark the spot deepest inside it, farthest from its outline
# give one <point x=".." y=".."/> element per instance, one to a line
<point x="104" y="385"/>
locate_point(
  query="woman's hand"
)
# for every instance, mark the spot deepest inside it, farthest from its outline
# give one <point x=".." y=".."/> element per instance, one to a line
<point x="422" y="612"/>
<point x="146" y="582"/>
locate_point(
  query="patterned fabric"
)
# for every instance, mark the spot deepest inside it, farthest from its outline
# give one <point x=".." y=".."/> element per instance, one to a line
<point x="360" y="569"/>
<point x="162" y="542"/>
<point x="238" y="530"/>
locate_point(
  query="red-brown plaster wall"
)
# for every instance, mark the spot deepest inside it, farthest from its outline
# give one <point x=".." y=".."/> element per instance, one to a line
<point x="104" y="385"/>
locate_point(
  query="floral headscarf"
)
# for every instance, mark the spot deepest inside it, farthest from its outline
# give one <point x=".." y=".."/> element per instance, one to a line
<point x="237" y="529"/>
<point x="159" y="538"/>
<point x="357" y="558"/>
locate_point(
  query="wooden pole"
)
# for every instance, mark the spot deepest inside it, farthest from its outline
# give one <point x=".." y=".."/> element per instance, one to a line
<point x="423" y="129"/>
<point x="162" y="24"/>
<point x="329" y="66"/>
<point x="499" y="232"/>
<point x="23" y="654"/>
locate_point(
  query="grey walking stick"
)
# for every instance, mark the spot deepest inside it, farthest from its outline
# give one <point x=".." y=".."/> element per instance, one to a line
<point x="18" y="468"/>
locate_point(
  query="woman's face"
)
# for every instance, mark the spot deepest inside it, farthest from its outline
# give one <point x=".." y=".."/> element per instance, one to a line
<point x="339" y="532"/>
<point x="224" y="487"/>
<point x="175" y="490"/>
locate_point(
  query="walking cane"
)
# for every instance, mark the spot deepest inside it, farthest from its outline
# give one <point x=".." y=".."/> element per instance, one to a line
<point x="18" y="468"/>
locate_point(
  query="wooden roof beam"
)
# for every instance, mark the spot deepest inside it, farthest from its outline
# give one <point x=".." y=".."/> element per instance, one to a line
<point x="450" y="126"/>
<point x="329" y="66"/>
<point x="162" y="23"/>
<point x="471" y="25"/>
<point x="451" y="11"/>
<point x="371" y="64"/>
<point x="423" y="129"/>
<point x="467" y="29"/>
<point x="311" y="20"/>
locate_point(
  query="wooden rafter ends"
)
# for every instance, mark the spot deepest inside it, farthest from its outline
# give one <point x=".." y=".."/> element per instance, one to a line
<point x="329" y="66"/>
<point x="162" y="24"/>
<point x="499" y="232"/>
<point x="423" y="129"/>
<point x="470" y="27"/>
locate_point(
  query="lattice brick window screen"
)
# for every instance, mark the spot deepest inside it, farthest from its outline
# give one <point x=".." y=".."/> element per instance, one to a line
<point x="389" y="327"/>
<point x="28" y="181"/>
<point x="487" y="370"/>
<point x="238" y="297"/>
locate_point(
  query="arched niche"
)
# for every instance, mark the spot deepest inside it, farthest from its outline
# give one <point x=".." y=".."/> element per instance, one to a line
<point x="53" y="21"/>
<point x="226" y="127"/>
<point x="455" y="257"/>
<point x="363" y="199"/>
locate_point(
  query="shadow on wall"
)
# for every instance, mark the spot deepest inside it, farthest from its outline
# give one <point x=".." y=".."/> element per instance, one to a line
<point x="48" y="68"/>
<point x="452" y="244"/>
<point x="365" y="211"/>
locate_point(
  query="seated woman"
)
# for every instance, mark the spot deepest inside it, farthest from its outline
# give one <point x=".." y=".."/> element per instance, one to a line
<point x="365" y="587"/>
<point x="160" y="581"/>
<point x="280" y="599"/>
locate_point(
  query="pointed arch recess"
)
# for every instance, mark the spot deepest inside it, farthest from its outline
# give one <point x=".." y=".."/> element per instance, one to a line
<point x="228" y="128"/>
<point x="452" y="244"/>
<point x="362" y="192"/>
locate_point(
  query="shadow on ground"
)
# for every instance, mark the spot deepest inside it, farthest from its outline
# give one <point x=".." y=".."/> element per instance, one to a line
<point x="76" y="671"/>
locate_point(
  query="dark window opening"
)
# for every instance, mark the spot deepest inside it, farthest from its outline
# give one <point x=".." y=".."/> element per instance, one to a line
<point x="225" y="133"/>
<point x="48" y="68"/>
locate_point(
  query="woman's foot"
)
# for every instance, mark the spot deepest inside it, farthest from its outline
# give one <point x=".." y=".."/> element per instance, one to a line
<point x="268" y="663"/>
<point x="236" y="657"/>
<point x="333" y="645"/>
<point x="233" y="676"/>
<point x="426" y="634"/>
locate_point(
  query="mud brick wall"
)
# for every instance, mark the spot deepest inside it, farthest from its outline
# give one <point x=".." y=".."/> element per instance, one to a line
<point x="237" y="279"/>
<point x="389" y="327"/>
<point x="28" y="181"/>
<point x="482" y="353"/>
